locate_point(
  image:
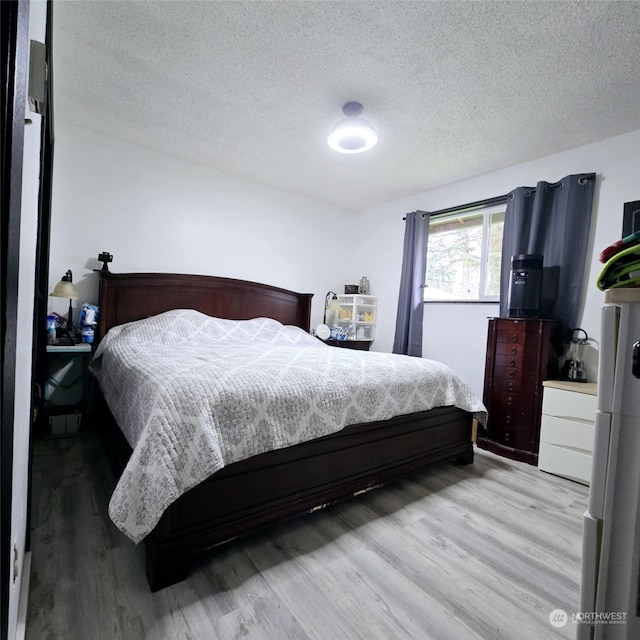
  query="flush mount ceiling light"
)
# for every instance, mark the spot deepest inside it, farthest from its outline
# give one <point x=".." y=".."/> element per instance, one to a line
<point x="353" y="134"/>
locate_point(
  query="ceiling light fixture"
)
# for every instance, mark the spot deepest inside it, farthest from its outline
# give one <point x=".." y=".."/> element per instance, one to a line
<point x="353" y="134"/>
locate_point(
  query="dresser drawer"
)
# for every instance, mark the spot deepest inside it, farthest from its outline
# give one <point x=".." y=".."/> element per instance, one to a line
<point x="511" y="385"/>
<point x="510" y="435"/>
<point x="518" y="361"/>
<point x="511" y="417"/>
<point x="517" y="337"/>
<point x="571" y="434"/>
<point x="569" y="404"/>
<point x="574" y="465"/>
<point x="514" y="402"/>
<point x="517" y="349"/>
<point x="516" y="374"/>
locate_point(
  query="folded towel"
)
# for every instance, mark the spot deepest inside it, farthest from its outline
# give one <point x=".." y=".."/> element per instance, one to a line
<point x="622" y="270"/>
<point x="618" y="246"/>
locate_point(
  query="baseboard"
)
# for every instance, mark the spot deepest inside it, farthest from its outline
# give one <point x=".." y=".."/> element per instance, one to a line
<point x="21" y="626"/>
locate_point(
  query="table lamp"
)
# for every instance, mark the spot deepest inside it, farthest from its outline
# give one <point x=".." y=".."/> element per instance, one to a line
<point x="66" y="289"/>
<point x="331" y="308"/>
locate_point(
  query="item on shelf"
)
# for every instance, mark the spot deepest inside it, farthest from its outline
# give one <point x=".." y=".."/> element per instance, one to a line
<point x="576" y="350"/>
<point x="88" y="315"/>
<point x="87" y="322"/>
<point x="51" y="329"/>
<point x="331" y="309"/>
<point x="350" y="289"/>
<point x="323" y="332"/>
<point x="525" y="286"/>
<point x="617" y="247"/>
<point x="338" y="333"/>
<point x="621" y="270"/>
<point x="105" y="257"/>
<point x="363" y="288"/>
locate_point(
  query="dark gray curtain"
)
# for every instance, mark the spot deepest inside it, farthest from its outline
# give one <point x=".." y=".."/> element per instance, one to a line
<point x="552" y="220"/>
<point x="408" y="337"/>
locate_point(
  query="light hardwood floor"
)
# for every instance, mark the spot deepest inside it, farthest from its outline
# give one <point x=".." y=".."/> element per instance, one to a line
<point x="485" y="552"/>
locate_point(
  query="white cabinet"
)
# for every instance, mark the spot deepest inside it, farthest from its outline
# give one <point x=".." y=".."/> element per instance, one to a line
<point x="567" y="430"/>
<point x="357" y="315"/>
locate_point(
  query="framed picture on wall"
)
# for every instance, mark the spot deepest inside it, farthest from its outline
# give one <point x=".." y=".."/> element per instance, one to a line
<point x="631" y="218"/>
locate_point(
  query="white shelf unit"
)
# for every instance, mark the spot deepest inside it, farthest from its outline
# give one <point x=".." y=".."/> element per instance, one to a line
<point x="358" y="315"/>
<point x="568" y="429"/>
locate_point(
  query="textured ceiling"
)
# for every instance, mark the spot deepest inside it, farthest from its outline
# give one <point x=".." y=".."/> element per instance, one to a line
<point x="454" y="89"/>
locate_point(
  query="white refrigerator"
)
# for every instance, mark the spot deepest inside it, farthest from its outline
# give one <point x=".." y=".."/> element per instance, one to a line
<point x="609" y="592"/>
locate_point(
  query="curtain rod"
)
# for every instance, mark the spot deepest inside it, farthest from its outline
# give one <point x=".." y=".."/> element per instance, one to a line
<point x="471" y="205"/>
<point x="583" y="179"/>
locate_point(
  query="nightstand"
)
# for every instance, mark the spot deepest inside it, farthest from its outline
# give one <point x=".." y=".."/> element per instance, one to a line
<point x="66" y="387"/>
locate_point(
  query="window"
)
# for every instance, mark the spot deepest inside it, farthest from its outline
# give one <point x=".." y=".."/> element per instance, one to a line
<point x="463" y="256"/>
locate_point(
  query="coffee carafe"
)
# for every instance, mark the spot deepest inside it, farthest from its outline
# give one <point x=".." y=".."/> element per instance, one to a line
<point x="575" y="352"/>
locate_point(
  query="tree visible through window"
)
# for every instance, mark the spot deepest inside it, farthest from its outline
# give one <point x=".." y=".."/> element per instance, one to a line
<point x="463" y="256"/>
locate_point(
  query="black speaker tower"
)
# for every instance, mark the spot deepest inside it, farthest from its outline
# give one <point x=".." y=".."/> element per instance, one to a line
<point x="524" y="290"/>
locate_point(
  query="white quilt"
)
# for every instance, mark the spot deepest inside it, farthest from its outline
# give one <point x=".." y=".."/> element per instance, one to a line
<point x="194" y="393"/>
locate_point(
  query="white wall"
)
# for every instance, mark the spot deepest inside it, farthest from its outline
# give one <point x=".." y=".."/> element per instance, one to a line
<point x="456" y="333"/>
<point x="26" y="286"/>
<point x="154" y="212"/>
<point x="158" y="213"/>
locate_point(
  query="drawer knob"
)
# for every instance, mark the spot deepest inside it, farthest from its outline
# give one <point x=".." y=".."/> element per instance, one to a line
<point x="514" y="337"/>
<point x="509" y="401"/>
<point x="512" y="374"/>
<point x="510" y="386"/>
<point x="513" y="363"/>
<point x="507" y="419"/>
<point x="513" y="351"/>
<point x="506" y="437"/>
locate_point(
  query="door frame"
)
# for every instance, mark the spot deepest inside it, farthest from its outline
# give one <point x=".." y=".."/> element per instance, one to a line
<point x="14" y="38"/>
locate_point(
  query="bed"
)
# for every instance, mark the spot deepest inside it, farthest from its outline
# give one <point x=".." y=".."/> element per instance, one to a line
<point x="239" y="496"/>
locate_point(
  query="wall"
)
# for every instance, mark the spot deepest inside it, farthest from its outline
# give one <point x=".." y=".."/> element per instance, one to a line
<point x="154" y="212"/>
<point x="158" y="213"/>
<point x="456" y="333"/>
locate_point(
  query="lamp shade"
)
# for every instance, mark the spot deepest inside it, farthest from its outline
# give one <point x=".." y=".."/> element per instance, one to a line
<point x="65" y="288"/>
<point x="333" y="304"/>
<point x="353" y="134"/>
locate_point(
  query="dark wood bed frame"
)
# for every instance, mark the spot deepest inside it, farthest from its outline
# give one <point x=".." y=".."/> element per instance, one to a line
<point x="270" y="487"/>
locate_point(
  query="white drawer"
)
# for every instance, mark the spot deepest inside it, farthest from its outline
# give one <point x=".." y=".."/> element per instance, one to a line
<point x="567" y="463"/>
<point x="569" y="404"/>
<point x="567" y="433"/>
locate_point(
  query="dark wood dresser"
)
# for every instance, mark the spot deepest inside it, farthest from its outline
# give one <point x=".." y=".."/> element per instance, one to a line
<point x="521" y="353"/>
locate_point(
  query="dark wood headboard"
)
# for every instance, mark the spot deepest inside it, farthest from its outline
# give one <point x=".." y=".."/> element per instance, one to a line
<point x="125" y="297"/>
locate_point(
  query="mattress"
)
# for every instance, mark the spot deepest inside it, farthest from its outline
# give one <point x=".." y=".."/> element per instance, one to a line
<point x="193" y="393"/>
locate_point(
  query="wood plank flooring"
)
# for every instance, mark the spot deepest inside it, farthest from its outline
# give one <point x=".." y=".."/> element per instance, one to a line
<point x="483" y="552"/>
